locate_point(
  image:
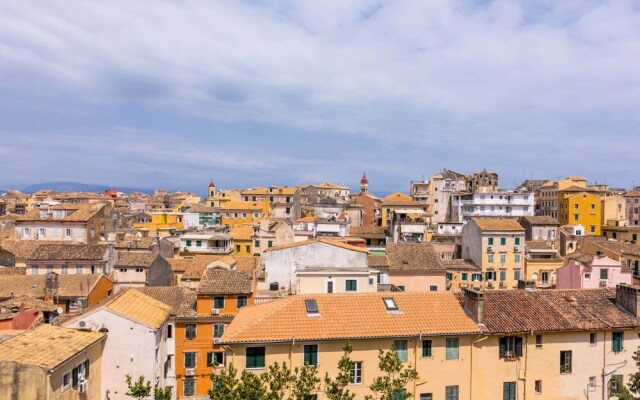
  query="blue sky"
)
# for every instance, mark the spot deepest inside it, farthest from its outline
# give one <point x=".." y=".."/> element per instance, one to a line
<point x="169" y="94"/>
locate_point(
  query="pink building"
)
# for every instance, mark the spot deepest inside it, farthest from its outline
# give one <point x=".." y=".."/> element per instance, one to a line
<point x="586" y="271"/>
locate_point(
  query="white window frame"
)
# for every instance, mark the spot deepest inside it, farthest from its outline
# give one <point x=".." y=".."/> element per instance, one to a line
<point x="68" y="385"/>
<point x="26" y="232"/>
<point x="592" y="384"/>
<point x="357" y="373"/>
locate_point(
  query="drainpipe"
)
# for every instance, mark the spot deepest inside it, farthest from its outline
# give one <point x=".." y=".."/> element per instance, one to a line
<point x="415" y="362"/>
<point x="293" y="342"/>
<point x="478" y="340"/>
<point x="604" y="362"/>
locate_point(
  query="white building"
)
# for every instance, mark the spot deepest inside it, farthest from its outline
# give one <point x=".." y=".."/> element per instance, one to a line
<point x="137" y="328"/>
<point x="320" y="256"/>
<point x="498" y="204"/>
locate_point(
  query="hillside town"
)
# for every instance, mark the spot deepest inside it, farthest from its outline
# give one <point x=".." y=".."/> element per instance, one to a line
<point x="477" y="291"/>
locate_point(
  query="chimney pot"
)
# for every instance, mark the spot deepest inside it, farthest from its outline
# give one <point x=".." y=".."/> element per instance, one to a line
<point x="474" y="303"/>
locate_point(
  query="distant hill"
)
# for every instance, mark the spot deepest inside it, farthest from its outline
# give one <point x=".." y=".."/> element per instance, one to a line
<point x="79" y="187"/>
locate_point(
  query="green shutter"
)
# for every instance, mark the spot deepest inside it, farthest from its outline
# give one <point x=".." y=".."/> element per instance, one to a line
<point x="518" y="346"/>
<point x="503" y="347"/>
<point x="503" y="241"/>
<point x="74" y="376"/>
<point x="517" y="241"/>
<point x="426" y="348"/>
<point x="464" y="276"/>
<point x="311" y="354"/>
<point x="86" y="369"/>
<point x="490" y="241"/>
<point x="617" y="341"/>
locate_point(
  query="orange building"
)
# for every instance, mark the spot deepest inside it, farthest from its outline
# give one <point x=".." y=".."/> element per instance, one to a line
<point x="222" y="292"/>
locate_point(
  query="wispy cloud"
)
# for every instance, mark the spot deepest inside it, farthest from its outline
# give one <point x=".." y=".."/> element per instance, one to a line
<point x="298" y="90"/>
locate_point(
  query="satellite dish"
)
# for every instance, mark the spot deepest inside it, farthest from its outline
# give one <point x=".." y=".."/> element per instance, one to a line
<point x="59" y="310"/>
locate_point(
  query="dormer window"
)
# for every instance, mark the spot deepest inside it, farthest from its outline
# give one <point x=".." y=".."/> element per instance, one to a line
<point x="390" y="303"/>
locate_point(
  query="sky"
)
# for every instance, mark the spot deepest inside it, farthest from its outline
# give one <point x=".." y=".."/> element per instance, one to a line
<point x="171" y="94"/>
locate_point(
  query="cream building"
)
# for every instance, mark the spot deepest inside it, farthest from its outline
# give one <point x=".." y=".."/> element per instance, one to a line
<point x="546" y="344"/>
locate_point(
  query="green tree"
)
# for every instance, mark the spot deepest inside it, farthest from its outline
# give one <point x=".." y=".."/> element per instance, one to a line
<point x="251" y="387"/>
<point x="634" y="379"/>
<point x="225" y="385"/>
<point x="278" y="380"/>
<point x="162" y="394"/>
<point x="305" y="382"/>
<point x="395" y="377"/>
<point x="337" y="388"/>
<point x="138" y="389"/>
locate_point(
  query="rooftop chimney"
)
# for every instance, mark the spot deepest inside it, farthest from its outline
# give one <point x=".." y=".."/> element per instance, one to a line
<point x="628" y="297"/>
<point x="51" y="285"/>
<point x="474" y="303"/>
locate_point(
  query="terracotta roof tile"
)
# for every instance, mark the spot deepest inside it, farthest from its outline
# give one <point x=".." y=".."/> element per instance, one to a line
<point x="135" y="259"/>
<point x="541" y="220"/>
<point x="242" y="232"/>
<point x="68" y="251"/>
<point x="223" y="281"/>
<point x="350" y="316"/>
<point x="47" y="346"/>
<point x="137" y="306"/>
<point x="325" y="241"/>
<point x="494" y="224"/>
<point x="33" y="285"/>
<point x="413" y="256"/>
<point x="181" y="300"/>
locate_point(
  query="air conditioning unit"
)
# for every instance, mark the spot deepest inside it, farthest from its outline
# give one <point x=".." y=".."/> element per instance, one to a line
<point x="85" y="324"/>
<point x="217" y="340"/>
<point x="215" y="311"/>
<point x="490" y="249"/>
<point x="83" y="387"/>
<point x="603" y="282"/>
<point x="190" y="371"/>
<point x="516" y="248"/>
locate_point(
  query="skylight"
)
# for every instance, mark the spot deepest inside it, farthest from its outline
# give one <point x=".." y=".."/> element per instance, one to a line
<point x="390" y="303"/>
<point x="312" y="306"/>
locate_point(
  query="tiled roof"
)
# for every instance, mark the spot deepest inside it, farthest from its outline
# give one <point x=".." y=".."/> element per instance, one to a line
<point x="33" y="285"/>
<point x="242" y="232"/>
<point x="584" y="258"/>
<point x="12" y="271"/>
<point x="368" y="232"/>
<point x="80" y="212"/>
<point x="224" y="281"/>
<point x="350" y="316"/>
<point x="47" y="346"/>
<point x="24" y="248"/>
<point x="145" y="243"/>
<point x="247" y="263"/>
<point x="461" y="265"/>
<point x="309" y="218"/>
<point x="413" y="256"/>
<point x="519" y="311"/>
<point x="141" y="308"/>
<point x="325" y="241"/>
<point x="615" y="246"/>
<point x="377" y="262"/>
<point x="29" y="302"/>
<point x="541" y="220"/>
<point x="199" y="208"/>
<point x="193" y="268"/>
<point x="181" y="300"/>
<point x="67" y="251"/>
<point x="538" y="245"/>
<point x="136" y="259"/>
<point x="494" y="224"/>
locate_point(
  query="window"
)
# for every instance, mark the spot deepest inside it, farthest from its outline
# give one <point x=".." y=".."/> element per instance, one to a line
<point x="242" y="301"/>
<point x="426" y="396"/>
<point x="576" y="217"/>
<point x="34" y="270"/>
<point x="516" y="258"/>
<point x="169" y="331"/>
<point x="49" y="269"/>
<point x="490" y="242"/>
<point x="390" y="304"/>
<point x="198" y="243"/>
<point x="451" y="393"/>
<point x="190" y="359"/>
<point x="189" y="387"/>
<point x="42" y="232"/>
<point x="270" y="243"/>
<point x="215" y="358"/>
<point x="432" y="288"/>
<point x="356" y="373"/>
<point x="452" y="349"/>
<point x="503" y="275"/>
<point x="401" y="349"/>
<point x="503" y="241"/>
<point x="593" y="206"/>
<point x="244" y="215"/>
<point x="592" y="384"/>
<point x="490" y="258"/>
<point x="218" y="302"/>
<point x="463" y="276"/>
<point x="516" y="274"/>
<point x="477" y="277"/>
<point x="511" y="346"/>
<point x="503" y="258"/>
<point x="490" y="275"/>
<point x="592" y="228"/>
<point x="604" y="273"/>
<point x="64" y="270"/>
<point x="190" y="331"/>
<point x="218" y="330"/>
<point x="237" y="248"/>
<point x="517" y="241"/>
<point x="247" y="248"/>
<point x="587" y="276"/>
<point x="188" y="242"/>
<point x="67" y="232"/>
<point x="400" y="288"/>
<point x="593" y="338"/>
<point x="538" y="341"/>
<point x="509" y="391"/>
<point x="255" y="357"/>
<point x="256" y="215"/>
<point x="351" y="285"/>
<point x="426" y="348"/>
<point x="310" y="354"/>
<point x="66" y="381"/>
<point x="257" y="243"/>
<point x="565" y="362"/>
<point x="537" y="387"/>
<point x="139" y="270"/>
<point x="617" y="341"/>
<point x="26" y="232"/>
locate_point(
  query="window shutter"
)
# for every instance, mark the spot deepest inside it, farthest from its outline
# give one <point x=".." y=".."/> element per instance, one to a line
<point x="86" y="369"/>
<point x="503" y="346"/>
<point x="74" y="376"/>
<point x="518" y="346"/>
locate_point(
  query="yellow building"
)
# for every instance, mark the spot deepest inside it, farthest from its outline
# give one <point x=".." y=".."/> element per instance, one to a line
<point x="237" y="213"/>
<point x="161" y="223"/>
<point x="400" y="202"/>
<point x="581" y="206"/>
<point x="474" y="345"/>
<point x="547" y="201"/>
<point x="242" y="238"/>
<point x="541" y="262"/>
